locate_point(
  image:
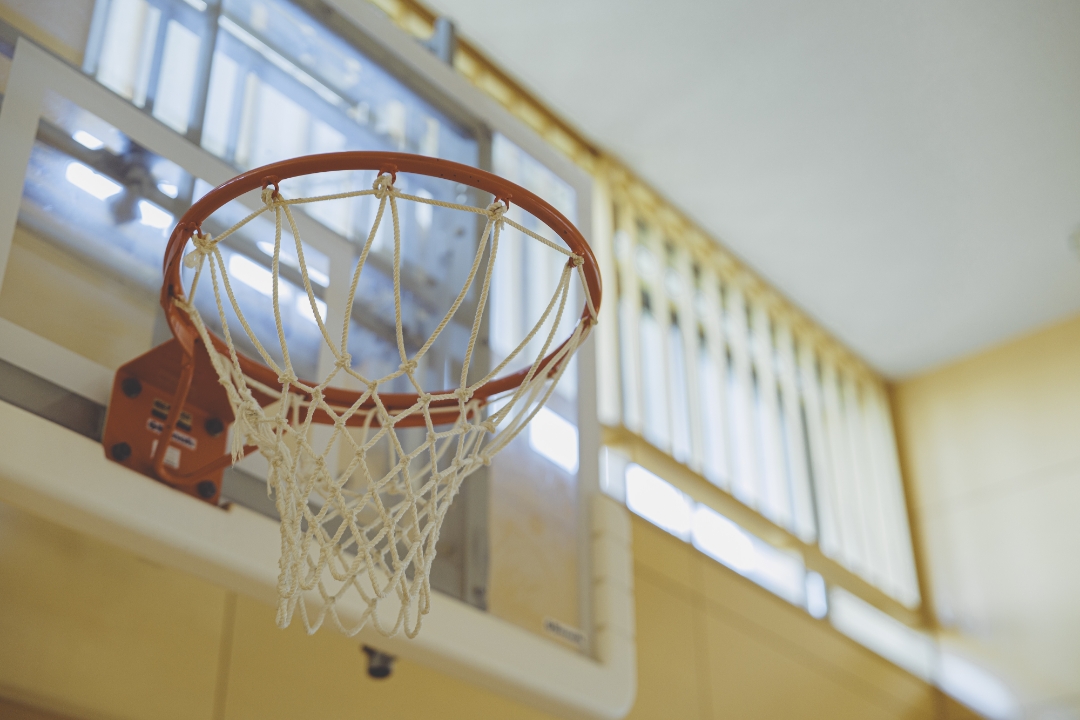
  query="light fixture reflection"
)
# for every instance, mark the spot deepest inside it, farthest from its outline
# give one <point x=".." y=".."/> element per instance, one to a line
<point x="153" y="216"/>
<point x="87" y="140"/>
<point x="91" y="182"/>
<point x="303" y="306"/>
<point x="253" y="275"/>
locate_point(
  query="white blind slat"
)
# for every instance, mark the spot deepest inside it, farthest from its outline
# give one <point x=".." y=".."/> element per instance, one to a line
<point x="745" y="485"/>
<point x="776" y="503"/>
<point x="802" y="497"/>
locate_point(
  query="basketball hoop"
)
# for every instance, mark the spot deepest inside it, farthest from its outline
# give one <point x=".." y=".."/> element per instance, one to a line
<point x="349" y="524"/>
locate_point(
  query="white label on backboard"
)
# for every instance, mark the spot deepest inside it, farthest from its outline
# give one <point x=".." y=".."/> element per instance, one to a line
<point x="177" y="437"/>
<point x="564" y="632"/>
<point x="172" y="455"/>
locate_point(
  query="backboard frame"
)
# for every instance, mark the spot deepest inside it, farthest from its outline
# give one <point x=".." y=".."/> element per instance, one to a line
<point x="231" y="547"/>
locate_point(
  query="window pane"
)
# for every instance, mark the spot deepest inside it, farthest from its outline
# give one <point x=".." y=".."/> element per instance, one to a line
<point x="658" y="502"/>
<point x="92" y="229"/>
<point x="179" y="62"/>
<point x="677" y="392"/>
<point x="286" y="61"/>
<point x="131" y="29"/>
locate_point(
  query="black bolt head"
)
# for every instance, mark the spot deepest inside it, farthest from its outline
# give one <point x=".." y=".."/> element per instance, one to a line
<point x="380" y="664"/>
<point x="121" y="451"/>
<point x="214" y="427"/>
<point x="131" y="386"/>
<point x="206" y="489"/>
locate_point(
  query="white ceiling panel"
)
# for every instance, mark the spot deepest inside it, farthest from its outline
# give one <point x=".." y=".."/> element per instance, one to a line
<point x="908" y="173"/>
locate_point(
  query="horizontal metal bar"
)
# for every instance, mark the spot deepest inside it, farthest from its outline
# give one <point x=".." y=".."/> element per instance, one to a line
<point x="45" y="399"/>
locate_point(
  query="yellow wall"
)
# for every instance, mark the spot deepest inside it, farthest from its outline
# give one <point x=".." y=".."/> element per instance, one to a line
<point x="89" y="631"/>
<point x="991" y="448"/>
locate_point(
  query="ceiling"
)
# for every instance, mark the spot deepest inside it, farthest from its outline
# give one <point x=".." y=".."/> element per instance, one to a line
<point x="907" y="173"/>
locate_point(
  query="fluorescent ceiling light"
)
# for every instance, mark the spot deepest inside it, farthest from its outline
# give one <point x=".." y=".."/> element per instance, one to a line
<point x="167" y="188"/>
<point x="303" y="306"/>
<point x="253" y="275"/>
<point x="87" y="140"/>
<point x="89" y="181"/>
<point x="153" y="216"/>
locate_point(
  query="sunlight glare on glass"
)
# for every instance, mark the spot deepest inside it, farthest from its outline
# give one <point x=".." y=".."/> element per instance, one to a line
<point x="87" y="140"/>
<point x="817" y="598"/>
<point x="780" y="571"/>
<point x="555" y="438"/>
<point x="153" y="216"/>
<point x="252" y="274"/>
<point x="975" y="687"/>
<point x="888" y="637"/>
<point x="723" y="540"/>
<point x="658" y="501"/>
<point x="303" y="306"/>
<point x="424" y="212"/>
<point x="89" y="181"/>
<point x="288" y="256"/>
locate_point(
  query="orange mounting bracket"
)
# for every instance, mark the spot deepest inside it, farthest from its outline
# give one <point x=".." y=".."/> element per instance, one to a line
<point x="167" y="393"/>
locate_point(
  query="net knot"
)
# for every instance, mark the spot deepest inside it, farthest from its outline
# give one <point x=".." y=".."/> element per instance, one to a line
<point x="344" y="361"/>
<point x="248" y="418"/>
<point x="203" y="245"/>
<point x="464" y="394"/>
<point x="287" y="378"/>
<point x="496" y="210"/>
<point x="577" y="261"/>
<point x="383" y="185"/>
<point x="271" y="197"/>
<point x="279" y="461"/>
<point x="490" y="425"/>
<point x="408" y="367"/>
<point x="425" y="399"/>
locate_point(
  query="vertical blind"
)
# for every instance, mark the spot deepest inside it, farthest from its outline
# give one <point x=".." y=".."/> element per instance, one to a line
<point x="729" y="380"/>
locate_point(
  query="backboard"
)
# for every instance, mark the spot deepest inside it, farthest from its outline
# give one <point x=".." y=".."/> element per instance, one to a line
<point x="533" y="568"/>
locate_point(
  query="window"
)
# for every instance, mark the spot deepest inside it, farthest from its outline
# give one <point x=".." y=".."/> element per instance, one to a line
<point x="716" y="373"/>
<point x="781" y="572"/>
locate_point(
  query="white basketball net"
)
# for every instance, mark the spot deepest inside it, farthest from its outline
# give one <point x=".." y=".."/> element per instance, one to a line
<point x="354" y="529"/>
